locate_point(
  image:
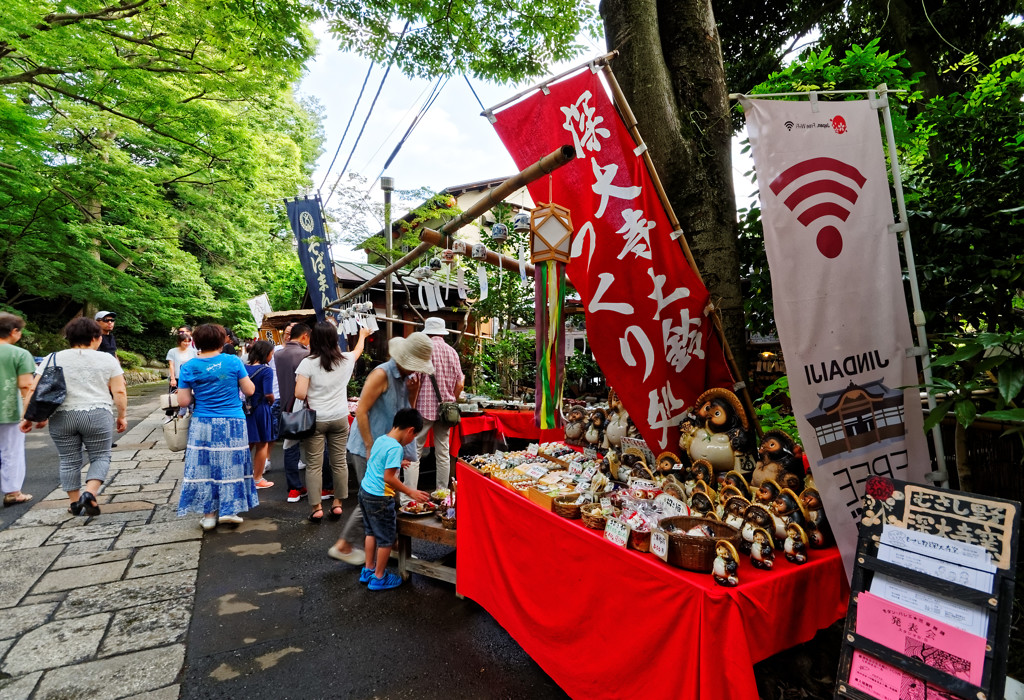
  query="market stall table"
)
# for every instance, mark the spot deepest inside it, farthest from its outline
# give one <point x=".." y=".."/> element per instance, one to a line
<point x="430" y="529"/>
<point x="521" y="424"/>
<point x="606" y="622"/>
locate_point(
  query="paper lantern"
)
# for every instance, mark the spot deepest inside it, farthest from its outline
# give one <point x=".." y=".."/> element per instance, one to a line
<point x="551" y="227"/>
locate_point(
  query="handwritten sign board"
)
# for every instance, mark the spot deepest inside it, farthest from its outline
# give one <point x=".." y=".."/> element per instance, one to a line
<point x="913" y="539"/>
<point x="616" y="531"/>
<point x="659" y="544"/>
<point x="639" y="444"/>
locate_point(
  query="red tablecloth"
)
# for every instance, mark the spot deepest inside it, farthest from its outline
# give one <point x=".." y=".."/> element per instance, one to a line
<point x="520" y="424"/>
<point x="606" y="622"/>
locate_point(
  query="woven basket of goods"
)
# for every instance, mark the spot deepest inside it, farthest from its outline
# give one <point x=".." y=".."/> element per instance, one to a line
<point x="566" y="507"/>
<point x="593" y="517"/>
<point x="691" y="541"/>
<point x="448" y="523"/>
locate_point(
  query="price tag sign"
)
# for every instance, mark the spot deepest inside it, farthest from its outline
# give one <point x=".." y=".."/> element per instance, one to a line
<point x="671" y="505"/>
<point x="642" y="484"/>
<point x="659" y="544"/>
<point x="575" y="468"/>
<point x="640" y="445"/>
<point x="677" y="467"/>
<point x="532" y="449"/>
<point x="581" y="500"/>
<point x="616" y="531"/>
<point x="582" y="486"/>
<point x="536" y="471"/>
<point x="590" y="452"/>
<point x="589" y="473"/>
<point x="606" y="503"/>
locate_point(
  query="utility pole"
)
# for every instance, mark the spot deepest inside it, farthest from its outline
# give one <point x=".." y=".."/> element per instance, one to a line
<point x="388" y="184"/>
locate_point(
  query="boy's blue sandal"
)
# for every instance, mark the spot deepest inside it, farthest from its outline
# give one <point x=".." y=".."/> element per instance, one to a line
<point x="365" y="575"/>
<point x="390" y="580"/>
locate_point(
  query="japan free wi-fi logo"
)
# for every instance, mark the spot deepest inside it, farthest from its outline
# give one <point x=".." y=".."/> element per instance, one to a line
<point x="835" y="187"/>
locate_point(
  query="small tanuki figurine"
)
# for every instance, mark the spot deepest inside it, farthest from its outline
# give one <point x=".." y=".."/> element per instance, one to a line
<point x="779" y="457"/>
<point x="724" y="438"/>
<point x="821" y="531"/>
<point x="672" y="487"/>
<point x="762" y="550"/>
<point x="595" y="432"/>
<point x="727" y="565"/>
<point x="766" y="493"/>
<point x="734" y="478"/>
<point x="785" y="509"/>
<point x="701" y="505"/>
<point x="755" y="516"/>
<point x="698" y="471"/>
<point x="667" y="462"/>
<point x="733" y="511"/>
<point x="575" y="424"/>
<point x="619" y="424"/>
<point x="796" y="544"/>
<point x="724" y="496"/>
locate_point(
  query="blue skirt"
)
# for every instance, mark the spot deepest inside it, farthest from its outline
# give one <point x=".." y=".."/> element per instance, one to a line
<point x="218" y="468"/>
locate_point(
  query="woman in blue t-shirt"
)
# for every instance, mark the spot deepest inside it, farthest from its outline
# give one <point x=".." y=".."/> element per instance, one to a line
<point x="218" y="467"/>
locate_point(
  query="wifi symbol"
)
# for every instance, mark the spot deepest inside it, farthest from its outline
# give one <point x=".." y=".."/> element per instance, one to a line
<point x="829" y="240"/>
<point x="789" y="126"/>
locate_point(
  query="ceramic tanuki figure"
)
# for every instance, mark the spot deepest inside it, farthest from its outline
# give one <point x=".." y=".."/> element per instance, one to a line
<point x="724" y="439"/>
<point x="667" y="463"/>
<point x="766" y="493"/>
<point x="574" y="426"/>
<point x="733" y="511"/>
<point x="701" y="505"/>
<point x="796" y="544"/>
<point x="785" y="509"/>
<point x="754" y="517"/>
<point x="727" y="565"/>
<point x="778" y="456"/>
<point x="698" y="471"/>
<point x="734" y="478"/>
<point x="595" y="432"/>
<point x="619" y="424"/>
<point x="762" y="552"/>
<point x="821" y="532"/>
<point x="724" y="496"/>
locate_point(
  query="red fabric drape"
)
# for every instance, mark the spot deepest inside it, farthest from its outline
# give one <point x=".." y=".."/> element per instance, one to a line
<point x="606" y="622"/>
<point x="519" y="424"/>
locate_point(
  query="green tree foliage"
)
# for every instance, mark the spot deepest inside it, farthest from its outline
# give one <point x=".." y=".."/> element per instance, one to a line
<point x="492" y="39"/>
<point x="146" y="148"/>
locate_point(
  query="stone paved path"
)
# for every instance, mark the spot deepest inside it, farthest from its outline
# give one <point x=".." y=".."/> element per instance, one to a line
<point x="99" y="607"/>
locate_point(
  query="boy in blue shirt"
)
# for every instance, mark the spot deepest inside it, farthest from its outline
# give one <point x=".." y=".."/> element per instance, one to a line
<point x="377" y="498"/>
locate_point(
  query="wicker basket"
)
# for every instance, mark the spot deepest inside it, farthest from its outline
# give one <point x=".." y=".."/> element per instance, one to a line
<point x="565" y="506"/>
<point x="593" y="517"/>
<point x="448" y="523"/>
<point x="640" y="541"/>
<point x="692" y="552"/>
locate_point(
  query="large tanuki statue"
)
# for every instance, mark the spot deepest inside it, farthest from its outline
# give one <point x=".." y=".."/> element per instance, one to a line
<point x="779" y="459"/>
<point x="719" y="433"/>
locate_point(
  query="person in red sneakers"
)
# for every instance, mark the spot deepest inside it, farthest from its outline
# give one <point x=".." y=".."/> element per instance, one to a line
<point x="377" y="498"/>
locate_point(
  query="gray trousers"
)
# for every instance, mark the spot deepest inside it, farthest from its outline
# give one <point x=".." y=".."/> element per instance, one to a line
<point x="355" y="516"/>
<point x="71" y="430"/>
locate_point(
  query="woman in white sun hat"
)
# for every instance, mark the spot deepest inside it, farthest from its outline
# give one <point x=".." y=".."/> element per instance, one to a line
<point x="386" y="391"/>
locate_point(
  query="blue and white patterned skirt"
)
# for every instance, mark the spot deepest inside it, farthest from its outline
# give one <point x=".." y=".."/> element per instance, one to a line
<point x="218" y="468"/>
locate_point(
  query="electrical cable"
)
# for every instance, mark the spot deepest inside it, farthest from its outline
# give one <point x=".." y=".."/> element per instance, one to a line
<point x="368" y="113"/>
<point x="350" y="117"/>
<point x="482" y="108"/>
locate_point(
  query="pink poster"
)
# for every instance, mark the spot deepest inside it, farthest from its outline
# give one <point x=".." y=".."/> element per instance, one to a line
<point x="917" y="636"/>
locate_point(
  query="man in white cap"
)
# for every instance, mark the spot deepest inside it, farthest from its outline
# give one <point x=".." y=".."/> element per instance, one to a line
<point x="447" y="384"/>
<point x="108" y="343"/>
<point x="385" y="392"/>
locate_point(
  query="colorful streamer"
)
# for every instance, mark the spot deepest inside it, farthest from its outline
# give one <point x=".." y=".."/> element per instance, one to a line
<point x="549" y="296"/>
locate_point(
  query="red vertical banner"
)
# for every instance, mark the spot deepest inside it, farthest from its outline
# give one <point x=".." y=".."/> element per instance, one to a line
<point x="646" y="309"/>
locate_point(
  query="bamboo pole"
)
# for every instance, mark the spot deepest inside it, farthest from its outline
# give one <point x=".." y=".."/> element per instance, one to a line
<point x="494" y="196"/>
<point x="631" y="124"/>
<point x="436" y="238"/>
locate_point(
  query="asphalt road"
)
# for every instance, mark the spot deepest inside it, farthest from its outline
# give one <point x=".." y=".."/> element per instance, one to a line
<point x="41" y="455"/>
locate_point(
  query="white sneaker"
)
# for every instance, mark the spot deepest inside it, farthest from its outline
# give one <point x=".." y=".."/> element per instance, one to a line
<point x="302" y="465"/>
<point x="208" y="523"/>
<point x="356" y="557"/>
<point x="266" y="467"/>
<point x="230" y="520"/>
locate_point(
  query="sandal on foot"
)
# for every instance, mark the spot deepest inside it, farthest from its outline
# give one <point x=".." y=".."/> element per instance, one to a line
<point x="13" y="500"/>
<point x="317" y="516"/>
<point x="335" y="513"/>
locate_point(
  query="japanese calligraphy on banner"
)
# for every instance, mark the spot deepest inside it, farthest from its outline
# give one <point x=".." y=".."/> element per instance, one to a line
<point x="644" y="305"/>
<point x="839" y="303"/>
<point x="304" y="215"/>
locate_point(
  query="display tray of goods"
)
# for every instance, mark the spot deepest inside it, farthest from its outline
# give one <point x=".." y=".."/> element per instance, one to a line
<point x="595" y="515"/>
<point x="418" y="509"/>
<point x="568" y="505"/>
<point x="691" y="541"/>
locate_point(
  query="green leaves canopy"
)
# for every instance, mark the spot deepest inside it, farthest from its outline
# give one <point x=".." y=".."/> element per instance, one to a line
<point x="146" y="147"/>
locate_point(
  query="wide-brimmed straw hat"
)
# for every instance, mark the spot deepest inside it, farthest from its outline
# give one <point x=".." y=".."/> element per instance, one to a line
<point x="412" y="353"/>
<point x="434" y="325"/>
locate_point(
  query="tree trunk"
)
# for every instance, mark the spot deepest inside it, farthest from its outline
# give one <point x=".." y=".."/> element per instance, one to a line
<point x="670" y="69"/>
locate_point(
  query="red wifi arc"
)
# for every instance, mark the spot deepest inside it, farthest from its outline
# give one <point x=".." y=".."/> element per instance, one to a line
<point x="829" y="240"/>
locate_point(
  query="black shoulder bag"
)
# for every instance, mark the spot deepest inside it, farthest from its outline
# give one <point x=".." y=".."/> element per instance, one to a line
<point x="51" y="390"/>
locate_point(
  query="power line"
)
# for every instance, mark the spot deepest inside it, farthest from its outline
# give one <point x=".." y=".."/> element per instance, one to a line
<point x="350" y="117"/>
<point x="370" y="112"/>
<point x="482" y="108"/>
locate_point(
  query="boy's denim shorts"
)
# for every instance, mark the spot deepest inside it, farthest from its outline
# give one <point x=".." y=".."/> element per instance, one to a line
<point x="379" y="518"/>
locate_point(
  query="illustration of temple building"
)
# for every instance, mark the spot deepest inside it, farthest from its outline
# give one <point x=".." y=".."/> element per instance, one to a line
<point x="857" y="416"/>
